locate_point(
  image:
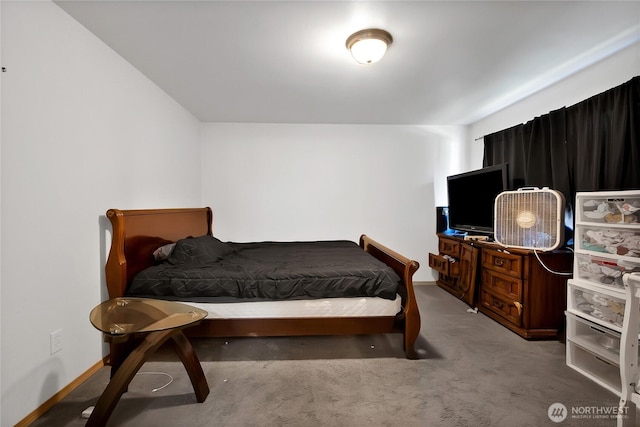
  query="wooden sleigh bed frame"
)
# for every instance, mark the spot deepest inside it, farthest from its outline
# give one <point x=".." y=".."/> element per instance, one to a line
<point x="136" y="233"/>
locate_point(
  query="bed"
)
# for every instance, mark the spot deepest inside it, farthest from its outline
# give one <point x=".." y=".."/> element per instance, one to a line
<point x="137" y="234"/>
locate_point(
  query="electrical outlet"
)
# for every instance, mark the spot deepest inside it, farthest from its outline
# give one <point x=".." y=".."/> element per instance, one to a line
<point x="56" y="341"/>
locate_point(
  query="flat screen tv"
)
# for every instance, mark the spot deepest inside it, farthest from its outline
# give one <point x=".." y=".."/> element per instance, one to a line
<point x="472" y="196"/>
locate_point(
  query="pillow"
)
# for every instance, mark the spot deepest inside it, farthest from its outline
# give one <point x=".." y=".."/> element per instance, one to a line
<point x="198" y="250"/>
<point x="163" y="252"/>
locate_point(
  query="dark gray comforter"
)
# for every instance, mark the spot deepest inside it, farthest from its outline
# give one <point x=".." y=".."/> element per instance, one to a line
<point x="205" y="269"/>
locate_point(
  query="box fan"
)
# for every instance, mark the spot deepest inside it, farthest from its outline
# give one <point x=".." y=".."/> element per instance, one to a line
<point x="529" y="218"/>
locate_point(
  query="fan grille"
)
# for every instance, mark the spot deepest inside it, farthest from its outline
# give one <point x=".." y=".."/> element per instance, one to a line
<point x="530" y="219"/>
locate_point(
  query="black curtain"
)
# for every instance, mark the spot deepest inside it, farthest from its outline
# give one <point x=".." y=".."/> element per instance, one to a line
<point x="603" y="140"/>
<point x="508" y="146"/>
<point x="591" y="146"/>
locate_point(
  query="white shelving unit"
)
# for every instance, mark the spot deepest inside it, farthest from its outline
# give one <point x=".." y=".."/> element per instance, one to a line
<point x="607" y="246"/>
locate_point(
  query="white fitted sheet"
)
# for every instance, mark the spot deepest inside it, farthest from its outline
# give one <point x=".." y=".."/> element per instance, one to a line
<point x="330" y="307"/>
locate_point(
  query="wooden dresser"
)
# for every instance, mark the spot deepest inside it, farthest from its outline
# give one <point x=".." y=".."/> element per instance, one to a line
<point x="509" y="285"/>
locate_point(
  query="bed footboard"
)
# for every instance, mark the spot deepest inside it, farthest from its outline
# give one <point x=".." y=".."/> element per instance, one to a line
<point x="409" y="319"/>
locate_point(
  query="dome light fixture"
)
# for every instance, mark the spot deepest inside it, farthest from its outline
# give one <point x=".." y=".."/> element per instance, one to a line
<point x="369" y="46"/>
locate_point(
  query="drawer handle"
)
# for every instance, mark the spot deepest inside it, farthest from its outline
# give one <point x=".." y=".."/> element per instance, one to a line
<point x="498" y="304"/>
<point x="519" y="307"/>
<point x="596" y="329"/>
<point x="448" y="247"/>
<point x="499" y="262"/>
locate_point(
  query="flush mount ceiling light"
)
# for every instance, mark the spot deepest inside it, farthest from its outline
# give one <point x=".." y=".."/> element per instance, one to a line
<point x="368" y="46"/>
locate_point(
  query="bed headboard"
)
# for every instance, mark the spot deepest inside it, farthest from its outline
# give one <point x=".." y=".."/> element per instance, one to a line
<point x="137" y="233"/>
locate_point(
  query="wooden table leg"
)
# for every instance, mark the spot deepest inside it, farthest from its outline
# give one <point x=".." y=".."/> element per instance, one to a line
<point x="184" y="349"/>
<point x="127" y="370"/>
<point x="120" y="347"/>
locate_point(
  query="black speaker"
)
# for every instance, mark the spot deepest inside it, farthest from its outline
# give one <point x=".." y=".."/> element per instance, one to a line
<point x="442" y="219"/>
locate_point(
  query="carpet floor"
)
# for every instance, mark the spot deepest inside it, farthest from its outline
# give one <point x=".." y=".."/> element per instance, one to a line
<point x="472" y="372"/>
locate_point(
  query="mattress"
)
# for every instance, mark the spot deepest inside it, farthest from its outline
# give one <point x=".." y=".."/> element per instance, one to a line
<point x="328" y="307"/>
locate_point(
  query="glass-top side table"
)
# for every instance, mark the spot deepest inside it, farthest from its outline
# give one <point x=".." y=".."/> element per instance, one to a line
<point x="135" y="328"/>
<point x="120" y="316"/>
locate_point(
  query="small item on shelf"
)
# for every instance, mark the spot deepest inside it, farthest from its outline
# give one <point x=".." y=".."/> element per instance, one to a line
<point x="610" y="343"/>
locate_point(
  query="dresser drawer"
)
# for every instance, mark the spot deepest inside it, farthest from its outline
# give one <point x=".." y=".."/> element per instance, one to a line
<point x="603" y="270"/>
<point x="444" y="265"/>
<point x="501" y="284"/>
<point x="502" y="262"/>
<point x="597" y="339"/>
<point x="449" y="282"/>
<point x="611" y="208"/>
<point x="449" y="247"/>
<point x="598" y="305"/>
<point x="619" y="241"/>
<point x="501" y="306"/>
<point x="598" y="369"/>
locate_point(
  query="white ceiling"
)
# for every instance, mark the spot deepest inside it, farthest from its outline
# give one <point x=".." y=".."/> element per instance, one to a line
<point x="451" y="62"/>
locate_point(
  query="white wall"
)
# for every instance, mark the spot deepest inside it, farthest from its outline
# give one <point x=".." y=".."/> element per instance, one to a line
<point x="82" y="131"/>
<point x="308" y="182"/>
<point x="606" y="74"/>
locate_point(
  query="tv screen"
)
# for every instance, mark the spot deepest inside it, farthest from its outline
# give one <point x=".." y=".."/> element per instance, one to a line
<point x="472" y="196"/>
